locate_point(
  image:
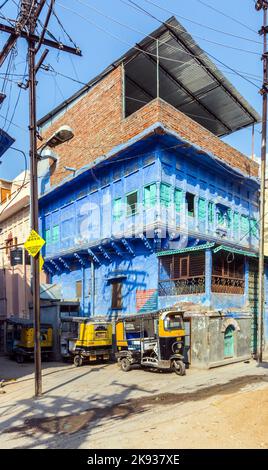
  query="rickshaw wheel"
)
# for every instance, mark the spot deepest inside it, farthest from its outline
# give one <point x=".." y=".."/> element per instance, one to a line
<point x="178" y="367"/>
<point x="125" y="364"/>
<point x="78" y="361"/>
<point x="19" y="358"/>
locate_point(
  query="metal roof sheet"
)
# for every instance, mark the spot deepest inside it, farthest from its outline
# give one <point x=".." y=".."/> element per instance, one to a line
<point x="189" y="80"/>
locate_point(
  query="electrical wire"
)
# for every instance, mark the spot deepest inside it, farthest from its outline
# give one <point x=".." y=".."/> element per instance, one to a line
<point x="226" y="16"/>
<point x="14" y="124"/>
<point x="201" y="24"/>
<point x="3" y="4"/>
<point x="179" y="29"/>
<point x="147" y="52"/>
<point x="161" y="42"/>
<point x="182" y="31"/>
<point x="18" y="98"/>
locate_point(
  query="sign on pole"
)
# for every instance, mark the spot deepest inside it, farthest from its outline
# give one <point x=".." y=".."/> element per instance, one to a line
<point x="34" y="243"/>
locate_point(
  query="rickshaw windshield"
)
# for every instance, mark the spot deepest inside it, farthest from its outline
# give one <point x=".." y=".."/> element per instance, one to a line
<point x="173" y="322"/>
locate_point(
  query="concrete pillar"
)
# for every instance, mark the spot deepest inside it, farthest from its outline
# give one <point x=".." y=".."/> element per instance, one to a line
<point x="208" y="275"/>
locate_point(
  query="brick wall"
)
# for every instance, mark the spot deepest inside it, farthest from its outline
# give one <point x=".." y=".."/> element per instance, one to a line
<point x="98" y="126"/>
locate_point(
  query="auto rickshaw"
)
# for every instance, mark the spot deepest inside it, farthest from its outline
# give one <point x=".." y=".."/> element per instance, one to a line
<point x="20" y="339"/>
<point x="153" y="340"/>
<point x="86" y="339"/>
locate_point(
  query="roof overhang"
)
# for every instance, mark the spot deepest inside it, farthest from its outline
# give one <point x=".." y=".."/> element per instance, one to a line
<point x="188" y="80"/>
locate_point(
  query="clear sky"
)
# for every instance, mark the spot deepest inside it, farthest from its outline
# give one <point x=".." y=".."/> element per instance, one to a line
<point x="96" y="35"/>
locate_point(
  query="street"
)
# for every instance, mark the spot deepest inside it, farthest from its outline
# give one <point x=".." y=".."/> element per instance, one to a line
<point x="100" y="406"/>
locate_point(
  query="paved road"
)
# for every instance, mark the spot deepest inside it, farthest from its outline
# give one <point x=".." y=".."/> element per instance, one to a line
<point x="102" y="407"/>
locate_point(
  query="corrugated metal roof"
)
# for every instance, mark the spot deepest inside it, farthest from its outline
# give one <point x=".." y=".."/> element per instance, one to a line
<point x="189" y="80"/>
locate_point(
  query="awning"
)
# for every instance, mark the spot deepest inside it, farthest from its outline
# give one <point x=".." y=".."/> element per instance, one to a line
<point x="188" y="249"/>
<point x="235" y="250"/>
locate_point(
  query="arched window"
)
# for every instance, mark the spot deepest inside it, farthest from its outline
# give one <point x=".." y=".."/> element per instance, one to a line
<point x="229" y="341"/>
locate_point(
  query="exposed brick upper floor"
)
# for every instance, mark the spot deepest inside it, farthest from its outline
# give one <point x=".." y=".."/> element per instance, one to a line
<point x="99" y="125"/>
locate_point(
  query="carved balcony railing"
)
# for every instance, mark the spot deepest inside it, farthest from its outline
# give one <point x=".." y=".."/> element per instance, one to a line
<point x="190" y="285"/>
<point x="227" y="285"/>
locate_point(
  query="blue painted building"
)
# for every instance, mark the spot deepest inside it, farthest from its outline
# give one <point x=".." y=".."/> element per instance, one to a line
<point x="161" y="219"/>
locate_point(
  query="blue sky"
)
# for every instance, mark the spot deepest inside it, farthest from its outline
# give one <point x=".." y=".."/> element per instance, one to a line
<point x="96" y="38"/>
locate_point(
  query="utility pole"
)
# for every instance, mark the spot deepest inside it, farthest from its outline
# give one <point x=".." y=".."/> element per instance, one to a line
<point x="25" y="28"/>
<point x="262" y="5"/>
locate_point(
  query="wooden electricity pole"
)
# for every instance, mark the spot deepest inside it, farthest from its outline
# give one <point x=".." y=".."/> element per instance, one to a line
<point x="25" y="27"/>
<point x="262" y="5"/>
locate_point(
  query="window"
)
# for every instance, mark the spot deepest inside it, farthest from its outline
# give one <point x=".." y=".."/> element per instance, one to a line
<point x="254" y="230"/>
<point x="165" y="195"/>
<point x="55" y="233"/>
<point x="150" y="196"/>
<point x="117" y="295"/>
<point x="78" y="286"/>
<point x="224" y="216"/>
<point x="202" y="206"/>
<point x="173" y="322"/>
<point x="211" y="212"/>
<point x="178" y="199"/>
<point x="5" y="193"/>
<point x="47" y="235"/>
<point x="190" y="204"/>
<point x="132" y="203"/>
<point x="244" y="224"/>
<point x="236" y="222"/>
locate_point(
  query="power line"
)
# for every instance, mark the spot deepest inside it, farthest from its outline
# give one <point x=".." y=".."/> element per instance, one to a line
<point x="227" y="16"/>
<point x="3" y="4"/>
<point x="202" y="25"/>
<point x="147" y="52"/>
<point x="184" y="32"/>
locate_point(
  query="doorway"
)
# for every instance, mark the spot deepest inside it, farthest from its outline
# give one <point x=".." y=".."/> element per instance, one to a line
<point x="229" y="342"/>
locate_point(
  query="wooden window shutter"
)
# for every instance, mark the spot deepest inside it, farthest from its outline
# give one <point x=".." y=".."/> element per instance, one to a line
<point x="178" y="199"/>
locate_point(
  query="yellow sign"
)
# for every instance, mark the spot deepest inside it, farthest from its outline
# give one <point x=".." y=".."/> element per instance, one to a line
<point x="34" y="243"/>
<point x="41" y="262"/>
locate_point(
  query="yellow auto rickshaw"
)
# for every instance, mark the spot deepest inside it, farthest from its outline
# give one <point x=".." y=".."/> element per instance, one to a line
<point x="153" y="340"/>
<point x="86" y="339"/>
<point x="20" y="339"/>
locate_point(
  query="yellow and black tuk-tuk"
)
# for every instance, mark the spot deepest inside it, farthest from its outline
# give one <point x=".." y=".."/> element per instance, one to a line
<point x="153" y="340"/>
<point x="20" y="339"/>
<point x="86" y="339"/>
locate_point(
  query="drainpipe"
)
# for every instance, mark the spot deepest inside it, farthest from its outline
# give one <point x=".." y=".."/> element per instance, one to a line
<point x="92" y="288"/>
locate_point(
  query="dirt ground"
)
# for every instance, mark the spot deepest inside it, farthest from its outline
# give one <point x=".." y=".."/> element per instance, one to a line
<point x="102" y="407"/>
